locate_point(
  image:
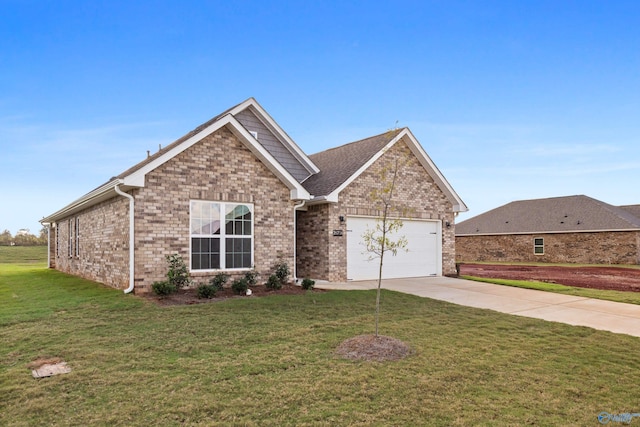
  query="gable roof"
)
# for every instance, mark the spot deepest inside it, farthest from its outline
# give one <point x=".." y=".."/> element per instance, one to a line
<point x="290" y="148"/>
<point x="553" y="215"/>
<point x="134" y="177"/>
<point x="340" y="166"/>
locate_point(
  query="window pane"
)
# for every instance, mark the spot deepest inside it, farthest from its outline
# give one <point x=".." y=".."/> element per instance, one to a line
<point x="238" y="252"/>
<point x="195" y="225"/>
<point x="195" y="262"/>
<point x="205" y="253"/>
<point x="538" y="242"/>
<point x="196" y="209"/>
<point x="215" y="226"/>
<point x="538" y="250"/>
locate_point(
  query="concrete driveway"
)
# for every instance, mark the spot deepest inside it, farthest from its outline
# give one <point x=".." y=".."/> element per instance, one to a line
<point x="598" y="314"/>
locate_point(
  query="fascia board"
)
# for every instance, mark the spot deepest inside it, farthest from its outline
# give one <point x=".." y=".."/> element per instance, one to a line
<point x="430" y="166"/>
<point x="425" y="161"/>
<point x="522" y="233"/>
<point x="137" y="178"/>
<point x="100" y="194"/>
<point x="270" y="123"/>
<point x="333" y="196"/>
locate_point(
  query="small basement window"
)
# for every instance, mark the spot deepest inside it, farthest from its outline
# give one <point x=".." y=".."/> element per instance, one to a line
<point x="538" y="246"/>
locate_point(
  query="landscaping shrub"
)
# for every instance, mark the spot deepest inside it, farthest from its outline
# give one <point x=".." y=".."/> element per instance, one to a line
<point x="240" y="286"/>
<point x="163" y="288"/>
<point x="308" y="284"/>
<point x="206" y="291"/>
<point x="252" y="277"/>
<point x="273" y="283"/>
<point x="282" y="272"/>
<point x="218" y="281"/>
<point x="178" y="273"/>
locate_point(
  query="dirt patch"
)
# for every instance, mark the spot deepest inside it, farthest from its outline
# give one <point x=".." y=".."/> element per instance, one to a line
<point x="190" y="295"/>
<point x="606" y="278"/>
<point x="370" y="347"/>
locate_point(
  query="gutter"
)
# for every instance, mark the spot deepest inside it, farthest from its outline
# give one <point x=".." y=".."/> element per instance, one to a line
<point x="131" y="236"/>
<point x="295" y="239"/>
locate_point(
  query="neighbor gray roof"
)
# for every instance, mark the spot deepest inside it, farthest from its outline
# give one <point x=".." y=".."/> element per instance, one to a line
<point x="632" y="209"/>
<point x="553" y="215"/>
<point x="338" y="164"/>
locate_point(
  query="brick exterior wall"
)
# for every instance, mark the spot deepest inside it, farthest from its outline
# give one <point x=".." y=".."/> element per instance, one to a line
<point x="312" y="242"/>
<point x="218" y="168"/>
<point x="103" y="244"/>
<point x="588" y="248"/>
<point x="416" y="193"/>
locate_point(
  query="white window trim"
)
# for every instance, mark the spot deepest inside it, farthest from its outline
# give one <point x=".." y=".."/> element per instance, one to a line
<point x="70" y="238"/>
<point x="77" y="237"/>
<point x="538" y="246"/>
<point x="222" y="236"/>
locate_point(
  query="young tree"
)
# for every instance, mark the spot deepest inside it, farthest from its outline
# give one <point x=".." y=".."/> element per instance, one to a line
<point x="382" y="238"/>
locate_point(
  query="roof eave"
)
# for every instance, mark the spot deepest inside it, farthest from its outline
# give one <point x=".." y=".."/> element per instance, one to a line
<point x="100" y="194"/>
<point x="426" y="162"/>
<point x="612" y="230"/>
<point x="457" y="202"/>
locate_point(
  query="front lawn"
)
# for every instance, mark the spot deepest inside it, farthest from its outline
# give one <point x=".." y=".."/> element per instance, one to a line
<point x="270" y="361"/>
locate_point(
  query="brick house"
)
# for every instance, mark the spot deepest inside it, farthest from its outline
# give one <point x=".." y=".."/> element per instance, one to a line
<point x="237" y="193"/>
<point x="573" y="229"/>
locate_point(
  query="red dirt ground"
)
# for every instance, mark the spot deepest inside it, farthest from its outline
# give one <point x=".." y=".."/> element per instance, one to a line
<point x="609" y="278"/>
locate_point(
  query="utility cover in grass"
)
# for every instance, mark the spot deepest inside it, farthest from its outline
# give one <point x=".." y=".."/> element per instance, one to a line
<point x="43" y="368"/>
<point x="370" y="347"/>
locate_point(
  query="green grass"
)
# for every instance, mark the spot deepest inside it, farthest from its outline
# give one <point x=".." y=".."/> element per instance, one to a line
<point x="23" y="254"/>
<point x="269" y="361"/>
<point x="617" y="296"/>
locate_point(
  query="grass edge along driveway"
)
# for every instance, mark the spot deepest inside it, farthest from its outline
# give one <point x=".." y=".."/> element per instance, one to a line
<point x="270" y="361"/>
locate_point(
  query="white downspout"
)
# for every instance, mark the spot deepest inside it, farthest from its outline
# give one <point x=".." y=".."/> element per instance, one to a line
<point x="131" y="237"/>
<point x="295" y="239"/>
<point x="48" y="245"/>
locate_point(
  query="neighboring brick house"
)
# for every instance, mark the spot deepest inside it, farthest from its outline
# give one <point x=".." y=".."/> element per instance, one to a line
<point x="237" y="193"/>
<point x="573" y="229"/>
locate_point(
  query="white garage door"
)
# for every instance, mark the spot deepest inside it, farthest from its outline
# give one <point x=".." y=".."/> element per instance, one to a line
<point x="422" y="259"/>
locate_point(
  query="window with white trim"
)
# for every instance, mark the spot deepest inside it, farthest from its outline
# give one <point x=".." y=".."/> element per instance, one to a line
<point x="70" y="248"/>
<point x="57" y="240"/>
<point x="538" y="246"/>
<point x="221" y="235"/>
<point x="77" y="232"/>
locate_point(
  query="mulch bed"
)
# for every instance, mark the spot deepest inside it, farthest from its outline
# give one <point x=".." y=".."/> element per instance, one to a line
<point x="190" y="296"/>
<point x="606" y="278"/>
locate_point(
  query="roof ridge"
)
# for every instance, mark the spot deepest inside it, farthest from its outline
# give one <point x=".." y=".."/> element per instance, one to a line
<point x="390" y="131"/>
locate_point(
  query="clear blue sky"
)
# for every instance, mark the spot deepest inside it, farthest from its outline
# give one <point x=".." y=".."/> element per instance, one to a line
<point x="512" y="99"/>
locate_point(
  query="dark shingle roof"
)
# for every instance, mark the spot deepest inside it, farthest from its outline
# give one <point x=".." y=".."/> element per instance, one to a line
<point x="632" y="209"/>
<point x="553" y="215"/>
<point x="338" y="164"/>
<point x="175" y="143"/>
